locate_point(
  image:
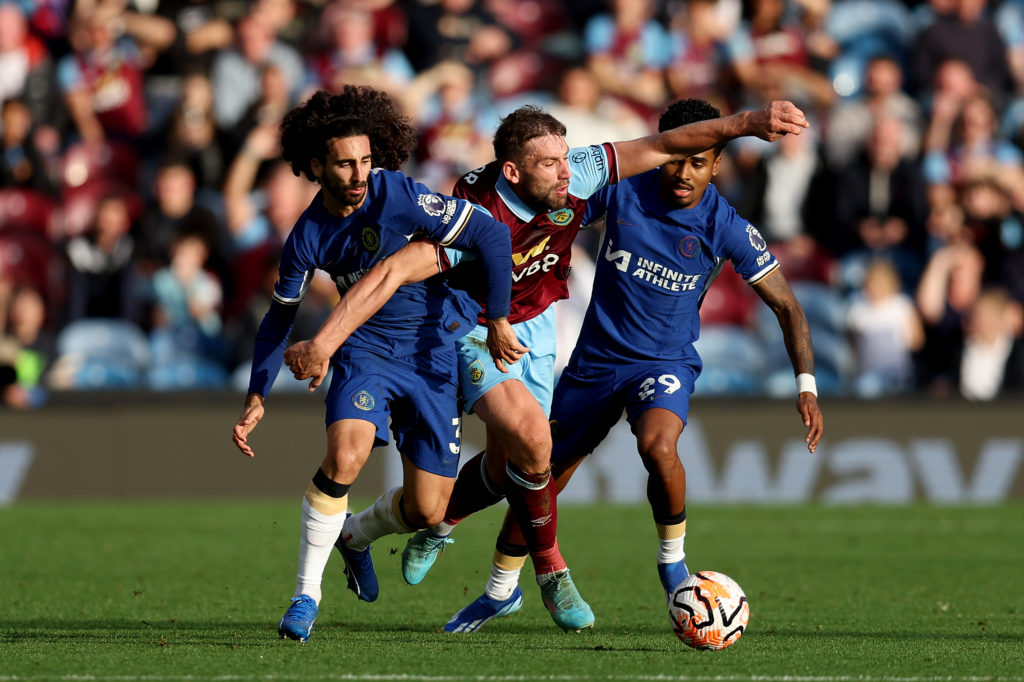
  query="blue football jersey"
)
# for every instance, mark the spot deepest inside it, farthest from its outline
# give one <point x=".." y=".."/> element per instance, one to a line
<point x="419" y="316"/>
<point x="655" y="266"/>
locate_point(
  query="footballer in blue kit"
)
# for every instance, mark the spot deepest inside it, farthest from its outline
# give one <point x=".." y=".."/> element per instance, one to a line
<point x="400" y="362"/>
<point x="667" y="235"/>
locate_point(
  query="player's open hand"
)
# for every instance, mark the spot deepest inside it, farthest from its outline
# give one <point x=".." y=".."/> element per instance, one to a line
<point x="251" y="416"/>
<point x="503" y="344"/>
<point x="306" y="361"/>
<point x="807" y="406"/>
<point x="778" y="118"/>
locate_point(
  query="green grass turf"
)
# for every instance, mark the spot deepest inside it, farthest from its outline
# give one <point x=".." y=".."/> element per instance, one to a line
<point x="193" y="590"/>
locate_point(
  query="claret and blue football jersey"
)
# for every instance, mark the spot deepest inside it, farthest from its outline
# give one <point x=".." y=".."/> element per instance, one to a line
<point x="541" y="241"/>
<point x="655" y="265"/>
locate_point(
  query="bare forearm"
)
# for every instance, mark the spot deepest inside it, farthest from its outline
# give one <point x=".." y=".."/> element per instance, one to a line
<point x="413" y="263"/>
<point x="696" y="137"/>
<point x="774" y="290"/>
<point x="797" y="335"/>
<point x="152" y="30"/>
<point x="358" y="305"/>
<point x="770" y="122"/>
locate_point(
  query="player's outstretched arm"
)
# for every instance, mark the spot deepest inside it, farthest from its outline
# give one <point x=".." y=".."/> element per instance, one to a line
<point x="252" y="413"/>
<point x="412" y="263"/>
<point x="770" y="122"/>
<point x="774" y="290"/>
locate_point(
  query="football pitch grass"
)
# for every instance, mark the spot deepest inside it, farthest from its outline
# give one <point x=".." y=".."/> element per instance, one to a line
<point x="194" y="590"/>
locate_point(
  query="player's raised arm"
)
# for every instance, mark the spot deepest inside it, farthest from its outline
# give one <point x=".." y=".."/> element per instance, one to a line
<point x="412" y="263"/>
<point x="774" y="290"/>
<point x="770" y="122"/>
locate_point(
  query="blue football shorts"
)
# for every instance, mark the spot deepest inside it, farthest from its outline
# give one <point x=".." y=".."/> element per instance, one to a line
<point x="418" y="392"/>
<point x="477" y="373"/>
<point x="590" y="397"/>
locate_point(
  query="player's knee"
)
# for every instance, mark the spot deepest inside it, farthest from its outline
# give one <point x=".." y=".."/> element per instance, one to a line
<point x="343" y="464"/>
<point x="659" y="455"/>
<point x="424" y="513"/>
<point x="535" y="453"/>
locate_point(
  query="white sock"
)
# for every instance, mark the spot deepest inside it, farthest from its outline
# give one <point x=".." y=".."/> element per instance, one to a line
<point x="319" y="531"/>
<point x="376" y="521"/>
<point x="502" y="583"/>
<point x="671" y="551"/>
<point x="442" y="530"/>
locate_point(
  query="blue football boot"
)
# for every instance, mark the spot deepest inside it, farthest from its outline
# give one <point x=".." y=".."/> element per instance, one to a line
<point x="483" y="609"/>
<point x="671" y="575"/>
<point x="298" y="620"/>
<point x="362" y="578"/>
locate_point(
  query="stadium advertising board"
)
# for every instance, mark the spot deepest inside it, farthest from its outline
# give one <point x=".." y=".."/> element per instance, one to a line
<point x="944" y="452"/>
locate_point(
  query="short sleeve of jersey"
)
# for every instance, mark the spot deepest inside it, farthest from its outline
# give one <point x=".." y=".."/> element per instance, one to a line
<point x="592" y="168"/>
<point x="413" y="207"/>
<point x="741" y="243"/>
<point x="597" y="205"/>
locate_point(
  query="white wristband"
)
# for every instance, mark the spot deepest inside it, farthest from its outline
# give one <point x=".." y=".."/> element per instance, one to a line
<point x="805" y="384"/>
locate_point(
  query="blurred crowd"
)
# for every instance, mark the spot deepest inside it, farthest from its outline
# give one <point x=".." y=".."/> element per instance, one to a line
<point x="143" y="200"/>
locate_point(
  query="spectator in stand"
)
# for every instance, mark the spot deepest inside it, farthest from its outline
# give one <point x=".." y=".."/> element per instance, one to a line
<point x="186" y="346"/>
<point x="885" y="330"/>
<point x="458" y="30"/>
<point x="966" y="138"/>
<point x="262" y="201"/>
<point x="26" y="70"/>
<point x="991" y="327"/>
<point x="881" y="207"/>
<point x="185" y="293"/>
<point x="351" y="55"/>
<point x="966" y="33"/>
<point x="589" y="114"/>
<point x="789" y="192"/>
<point x="26" y="344"/>
<point x="102" y="78"/>
<point x="23" y="163"/>
<point x="193" y="135"/>
<point x="455" y="124"/>
<point x="851" y="121"/>
<point x="628" y="50"/>
<point x="199" y="33"/>
<point x="704" y="61"/>
<point x="779" y="46"/>
<point x="1009" y="21"/>
<point x="237" y="71"/>
<point x="102" y="279"/>
<point x="947" y="289"/>
<point x="172" y="211"/>
<point x="268" y="110"/>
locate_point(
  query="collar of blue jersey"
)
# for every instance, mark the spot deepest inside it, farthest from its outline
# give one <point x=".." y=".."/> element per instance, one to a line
<point x="512" y="200"/>
<point x="653" y="203"/>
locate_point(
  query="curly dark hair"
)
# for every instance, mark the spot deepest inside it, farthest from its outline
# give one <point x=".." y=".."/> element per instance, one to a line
<point x="685" y="111"/>
<point x="356" y="110"/>
<point x="521" y="126"/>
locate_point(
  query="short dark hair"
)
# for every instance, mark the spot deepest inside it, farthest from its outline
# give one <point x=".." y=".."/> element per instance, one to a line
<point x="521" y="126"/>
<point x="356" y="110"/>
<point x="685" y="111"/>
